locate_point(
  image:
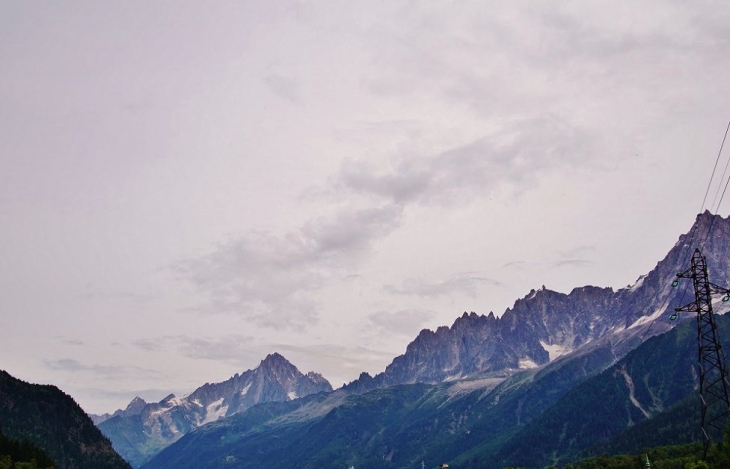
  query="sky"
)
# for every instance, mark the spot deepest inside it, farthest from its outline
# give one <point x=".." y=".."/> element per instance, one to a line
<point x="186" y="187"/>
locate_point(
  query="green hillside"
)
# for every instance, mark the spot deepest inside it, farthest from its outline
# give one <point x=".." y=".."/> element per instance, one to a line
<point x="661" y="373"/>
<point x="555" y="415"/>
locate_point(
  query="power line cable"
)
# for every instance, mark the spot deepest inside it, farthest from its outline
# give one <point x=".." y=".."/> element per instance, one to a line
<point x="709" y="184"/>
<point x="693" y="233"/>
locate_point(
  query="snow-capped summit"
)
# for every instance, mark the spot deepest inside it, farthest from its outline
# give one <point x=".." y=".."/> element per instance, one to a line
<point x="159" y="424"/>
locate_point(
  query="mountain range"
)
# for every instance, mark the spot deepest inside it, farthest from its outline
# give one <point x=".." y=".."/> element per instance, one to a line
<point x="142" y="429"/>
<point x="532" y="419"/>
<point x="471" y="394"/>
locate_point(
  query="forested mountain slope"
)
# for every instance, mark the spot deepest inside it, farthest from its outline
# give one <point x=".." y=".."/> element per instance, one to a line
<point x="54" y="422"/>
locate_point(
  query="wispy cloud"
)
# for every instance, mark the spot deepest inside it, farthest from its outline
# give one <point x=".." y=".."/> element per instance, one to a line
<point x="346" y="360"/>
<point x="572" y="263"/>
<point x="286" y="88"/>
<point x="69" y="340"/>
<point x="465" y="283"/>
<point x="516" y="154"/>
<point x="519" y="265"/>
<point x="578" y="251"/>
<point x="404" y="322"/>
<point x="232" y="348"/>
<point x="101" y="371"/>
<point x="575" y="257"/>
<point x="269" y="279"/>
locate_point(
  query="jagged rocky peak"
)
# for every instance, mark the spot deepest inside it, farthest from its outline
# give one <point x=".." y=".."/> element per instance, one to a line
<point x="467" y="319"/>
<point x="135" y="406"/>
<point x="160" y="424"/>
<point x="545" y="324"/>
<point x="278" y="367"/>
<point x="274" y="358"/>
<point x="275" y="362"/>
<point x="316" y="377"/>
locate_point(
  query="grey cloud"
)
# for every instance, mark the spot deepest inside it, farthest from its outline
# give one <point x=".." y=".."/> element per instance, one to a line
<point x="233" y="348"/>
<point x="151" y="345"/>
<point x="148" y="394"/>
<point x="572" y="263"/>
<point x="520" y="152"/>
<point x="283" y="87"/>
<point x="578" y="251"/>
<point x="101" y="371"/>
<point x="459" y="284"/>
<point x="350" y="361"/>
<point x="574" y="257"/>
<point x="403" y="185"/>
<point x="69" y="341"/>
<point x="499" y="50"/>
<point x="350" y="234"/>
<point x="227" y="348"/>
<point x="519" y="265"/>
<point x="572" y="37"/>
<point x="107" y="401"/>
<point x="269" y="279"/>
<point x="405" y="322"/>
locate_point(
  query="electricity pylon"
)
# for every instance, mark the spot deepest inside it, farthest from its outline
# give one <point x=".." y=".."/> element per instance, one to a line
<point x="713" y="374"/>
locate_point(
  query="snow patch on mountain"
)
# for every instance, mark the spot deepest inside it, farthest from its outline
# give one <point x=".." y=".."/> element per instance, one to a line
<point x="637" y="284"/>
<point x="555" y="350"/>
<point x="526" y="364"/>
<point x="647" y="319"/>
<point x="455" y="377"/>
<point x="214" y="411"/>
<point x="470" y="385"/>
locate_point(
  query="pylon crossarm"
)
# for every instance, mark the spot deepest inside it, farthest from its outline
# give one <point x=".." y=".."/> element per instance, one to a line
<point x="688" y="308"/>
<point x="689" y="273"/>
<point x="718" y="290"/>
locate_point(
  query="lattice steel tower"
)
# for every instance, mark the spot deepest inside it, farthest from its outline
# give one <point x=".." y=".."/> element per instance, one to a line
<point x="713" y="374"/>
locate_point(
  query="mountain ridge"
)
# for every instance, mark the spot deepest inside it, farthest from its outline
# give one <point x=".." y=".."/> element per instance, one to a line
<point x="142" y="429"/>
<point x="546" y="338"/>
<point x="481" y="427"/>
<point x="546" y="324"/>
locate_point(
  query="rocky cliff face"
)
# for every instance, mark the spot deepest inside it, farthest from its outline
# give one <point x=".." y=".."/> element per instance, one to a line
<point x="135" y="407"/>
<point x="142" y="429"/>
<point x="275" y="380"/>
<point x="545" y="324"/>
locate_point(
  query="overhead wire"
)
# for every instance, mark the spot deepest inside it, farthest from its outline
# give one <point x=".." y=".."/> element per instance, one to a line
<point x="695" y="227"/>
<point x="709" y="184"/>
<point x="717" y="208"/>
<point x="688" y="246"/>
<point x="713" y="174"/>
<point x="692" y="234"/>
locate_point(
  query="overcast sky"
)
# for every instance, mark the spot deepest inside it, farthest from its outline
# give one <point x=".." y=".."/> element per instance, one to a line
<point x="186" y="187"/>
